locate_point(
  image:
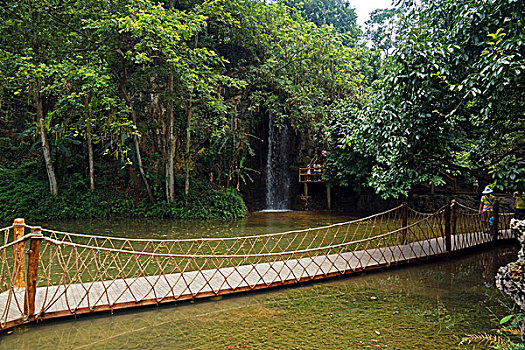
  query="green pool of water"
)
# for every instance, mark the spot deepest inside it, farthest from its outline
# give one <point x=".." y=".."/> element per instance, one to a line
<point x="256" y="223"/>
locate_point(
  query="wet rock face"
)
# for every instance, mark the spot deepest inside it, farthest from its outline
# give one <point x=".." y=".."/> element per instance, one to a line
<point x="511" y="278"/>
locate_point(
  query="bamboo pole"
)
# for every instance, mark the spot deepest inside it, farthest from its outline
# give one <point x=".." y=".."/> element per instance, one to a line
<point x="405" y="222"/>
<point x="32" y="271"/>
<point x="453" y="219"/>
<point x="18" y="258"/>
<point x="329" y="196"/>
<point x="495" y="221"/>
<point x="448" y="243"/>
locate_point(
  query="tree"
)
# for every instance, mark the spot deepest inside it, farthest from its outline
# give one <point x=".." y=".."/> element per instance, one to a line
<point x="157" y="48"/>
<point x="337" y="13"/>
<point x="299" y="70"/>
<point x="380" y="29"/>
<point x="451" y="100"/>
<point x="293" y="70"/>
<point x="169" y="87"/>
<point x="28" y="59"/>
<point x="87" y="105"/>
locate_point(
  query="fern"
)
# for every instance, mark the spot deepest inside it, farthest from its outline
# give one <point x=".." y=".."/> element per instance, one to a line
<point x="493" y="341"/>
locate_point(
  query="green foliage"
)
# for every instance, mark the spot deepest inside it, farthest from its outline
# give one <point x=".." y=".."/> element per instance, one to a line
<point x="343" y="164"/>
<point x="294" y="69"/>
<point x="30" y="200"/>
<point x="25" y="194"/>
<point x="337" y="13"/>
<point x="451" y="100"/>
<point x="163" y="88"/>
<point x="505" y="339"/>
<point x="380" y="29"/>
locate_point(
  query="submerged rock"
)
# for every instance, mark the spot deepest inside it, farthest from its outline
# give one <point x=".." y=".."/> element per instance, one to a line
<point x="510" y="278"/>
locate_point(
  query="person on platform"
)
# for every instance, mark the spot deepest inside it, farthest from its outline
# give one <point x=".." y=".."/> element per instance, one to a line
<point x="317" y="172"/>
<point x="519" y="205"/>
<point x="486" y="208"/>
<point x="475" y="185"/>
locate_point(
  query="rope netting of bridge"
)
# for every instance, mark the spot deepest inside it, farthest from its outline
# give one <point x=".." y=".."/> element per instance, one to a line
<point x="48" y="273"/>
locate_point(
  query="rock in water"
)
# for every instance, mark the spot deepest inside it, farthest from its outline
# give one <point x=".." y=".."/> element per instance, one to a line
<point x="511" y="278"/>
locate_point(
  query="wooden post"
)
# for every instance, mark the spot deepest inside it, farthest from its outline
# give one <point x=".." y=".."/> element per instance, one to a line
<point x="495" y="221"/>
<point x="305" y="186"/>
<point x="329" y="196"/>
<point x="32" y="271"/>
<point x="453" y="218"/>
<point x="405" y="222"/>
<point x="448" y="243"/>
<point x="18" y="258"/>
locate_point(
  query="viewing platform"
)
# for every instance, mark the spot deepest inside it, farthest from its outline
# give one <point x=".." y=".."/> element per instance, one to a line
<point x="311" y="174"/>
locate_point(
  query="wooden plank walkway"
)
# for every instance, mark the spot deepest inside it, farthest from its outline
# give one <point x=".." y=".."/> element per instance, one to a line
<point x="80" y="298"/>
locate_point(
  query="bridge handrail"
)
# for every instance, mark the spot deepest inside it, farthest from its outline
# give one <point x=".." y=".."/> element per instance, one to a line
<point x="475" y="212"/>
<point x="20" y="240"/>
<point x="424" y="214"/>
<point x="197" y="256"/>
<point x="466" y="207"/>
<point x="236" y="237"/>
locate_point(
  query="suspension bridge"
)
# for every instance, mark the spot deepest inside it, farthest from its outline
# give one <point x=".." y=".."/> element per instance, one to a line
<point x="48" y="274"/>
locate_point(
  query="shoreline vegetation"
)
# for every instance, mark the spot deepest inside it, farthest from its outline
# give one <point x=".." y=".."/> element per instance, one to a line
<point x="25" y="193"/>
<point x="118" y="193"/>
<point x="215" y="203"/>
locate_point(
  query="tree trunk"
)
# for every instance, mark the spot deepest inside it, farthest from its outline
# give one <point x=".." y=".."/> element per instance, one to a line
<point x="187" y="151"/>
<point x="90" y="146"/>
<point x="37" y="99"/>
<point x="170" y="171"/>
<point x="53" y="186"/>
<point x="188" y="137"/>
<point x="170" y="174"/>
<point x="136" y="142"/>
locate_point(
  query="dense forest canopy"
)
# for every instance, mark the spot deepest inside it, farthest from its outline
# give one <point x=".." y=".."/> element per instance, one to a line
<point x="449" y="99"/>
<point x="107" y="103"/>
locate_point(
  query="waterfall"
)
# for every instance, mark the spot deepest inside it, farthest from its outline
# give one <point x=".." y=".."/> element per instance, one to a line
<point x="277" y="167"/>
